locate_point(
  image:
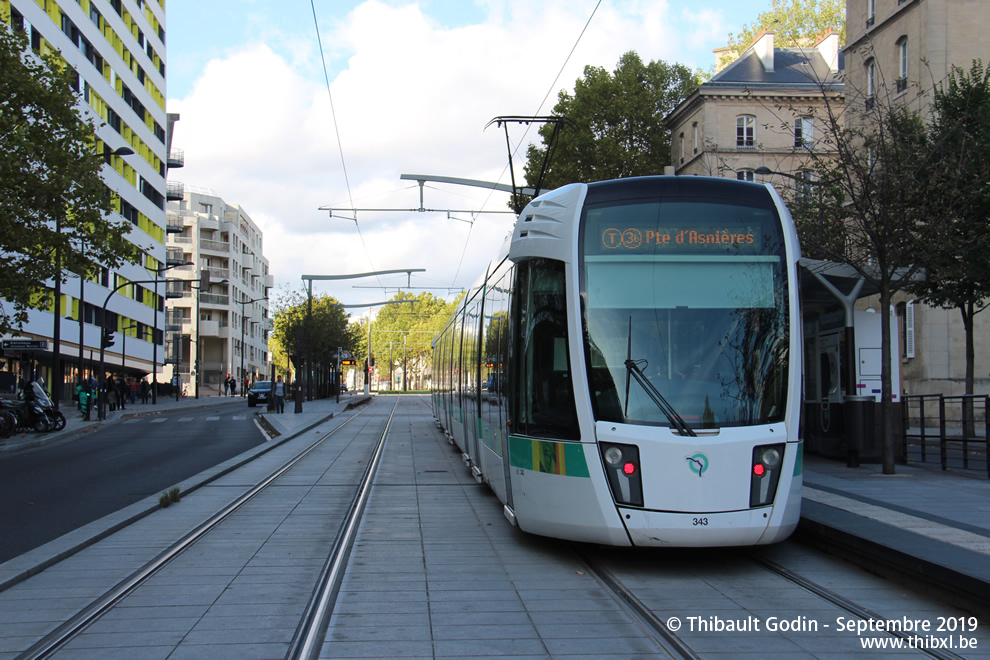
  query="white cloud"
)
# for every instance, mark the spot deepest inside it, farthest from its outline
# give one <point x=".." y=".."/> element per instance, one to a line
<point x="413" y="97"/>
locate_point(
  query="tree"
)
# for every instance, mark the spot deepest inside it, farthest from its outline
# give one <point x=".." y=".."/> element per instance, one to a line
<point x="960" y="278"/>
<point x="402" y="335"/>
<point x="615" y="123"/>
<point x="885" y="204"/>
<point x="308" y="332"/>
<point x="54" y="200"/>
<point x="794" y="23"/>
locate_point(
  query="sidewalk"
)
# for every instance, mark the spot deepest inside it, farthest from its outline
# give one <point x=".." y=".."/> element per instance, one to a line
<point x="921" y="521"/>
<point x="75" y="426"/>
<point x="279" y="427"/>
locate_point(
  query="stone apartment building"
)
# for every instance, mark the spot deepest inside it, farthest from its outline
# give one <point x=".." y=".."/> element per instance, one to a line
<point x="224" y="322"/>
<point x="760" y="110"/>
<point x="901" y="49"/>
<point x="897" y="52"/>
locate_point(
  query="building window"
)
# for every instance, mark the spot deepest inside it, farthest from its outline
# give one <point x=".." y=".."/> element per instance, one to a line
<point x="745" y="175"/>
<point x="803" y="132"/>
<point x="870" y="82"/>
<point x="697" y="137"/>
<point x="871" y="13"/>
<point x="681" y="146"/>
<point x="902" y="64"/>
<point x="804" y="188"/>
<point x="745" y="131"/>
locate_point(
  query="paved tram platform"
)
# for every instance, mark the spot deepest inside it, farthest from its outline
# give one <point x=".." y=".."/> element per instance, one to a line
<point x="922" y="521"/>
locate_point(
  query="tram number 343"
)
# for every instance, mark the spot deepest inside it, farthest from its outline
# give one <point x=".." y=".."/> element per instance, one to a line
<point x="699" y="521"/>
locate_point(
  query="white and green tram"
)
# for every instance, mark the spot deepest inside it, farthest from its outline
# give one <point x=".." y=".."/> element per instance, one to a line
<point x="627" y="371"/>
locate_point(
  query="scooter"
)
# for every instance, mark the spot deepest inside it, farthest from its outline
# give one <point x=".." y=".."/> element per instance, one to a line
<point x="55" y="417"/>
<point x="29" y="413"/>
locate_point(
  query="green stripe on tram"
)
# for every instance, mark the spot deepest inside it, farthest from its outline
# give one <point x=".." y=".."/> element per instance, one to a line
<point x="799" y="461"/>
<point x="563" y="458"/>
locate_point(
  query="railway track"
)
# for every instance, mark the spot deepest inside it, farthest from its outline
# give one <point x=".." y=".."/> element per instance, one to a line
<point x="307" y="637"/>
<point x="665" y="633"/>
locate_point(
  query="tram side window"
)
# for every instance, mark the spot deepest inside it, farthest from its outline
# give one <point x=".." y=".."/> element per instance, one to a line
<point x="543" y="394"/>
<point x="469" y="356"/>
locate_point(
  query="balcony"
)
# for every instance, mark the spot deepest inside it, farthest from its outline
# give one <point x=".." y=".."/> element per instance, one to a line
<point x="216" y="246"/>
<point x="174" y="224"/>
<point x="218" y="273"/>
<point x="174" y="322"/>
<point x="214" y="299"/>
<point x="214" y="329"/>
<point x="174" y="190"/>
<point x="176" y="158"/>
<point x="174" y="257"/>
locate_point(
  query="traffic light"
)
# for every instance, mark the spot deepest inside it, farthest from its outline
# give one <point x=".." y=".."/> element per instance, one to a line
<point x="107" y="338"/>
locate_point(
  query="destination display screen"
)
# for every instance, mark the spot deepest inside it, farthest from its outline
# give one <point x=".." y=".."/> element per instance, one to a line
<point x="680" y="228"/>
<point x="635" y="238"/>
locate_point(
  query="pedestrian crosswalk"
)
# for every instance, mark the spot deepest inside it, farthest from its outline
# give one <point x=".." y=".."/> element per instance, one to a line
<point x="165" y="418"/>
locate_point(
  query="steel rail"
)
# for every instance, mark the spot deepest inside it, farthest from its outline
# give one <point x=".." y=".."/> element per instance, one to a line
<point x="309" y="636"/>
<point x="56" y="639"/>
<point x="844" y="603"/>
<point x="655" y="628"/>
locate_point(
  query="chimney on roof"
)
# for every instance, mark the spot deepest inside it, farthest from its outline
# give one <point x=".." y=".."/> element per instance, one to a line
<point x="763" y="47"/>
<point x="828" y="46"/>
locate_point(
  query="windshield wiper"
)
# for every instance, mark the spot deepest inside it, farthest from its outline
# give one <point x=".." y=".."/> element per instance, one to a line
<point x="632" y="368"/>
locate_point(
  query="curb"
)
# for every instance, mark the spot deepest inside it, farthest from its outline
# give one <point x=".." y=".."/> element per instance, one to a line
<point x="144" y="510"/>
<point x="911" y="555"/>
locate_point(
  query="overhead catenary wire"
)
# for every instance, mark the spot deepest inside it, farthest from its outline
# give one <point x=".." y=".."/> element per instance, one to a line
<point x="515" y="150"/>
<point x="336" y="128"/>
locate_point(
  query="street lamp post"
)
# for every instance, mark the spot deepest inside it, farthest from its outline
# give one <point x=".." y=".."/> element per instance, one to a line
<point x="242" y="304"/>
<point x="101" y="375"/>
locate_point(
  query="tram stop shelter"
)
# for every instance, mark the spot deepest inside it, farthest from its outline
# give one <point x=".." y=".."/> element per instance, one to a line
<point x="842" y="360"/>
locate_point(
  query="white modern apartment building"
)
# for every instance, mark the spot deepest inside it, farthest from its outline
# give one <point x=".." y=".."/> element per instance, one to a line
<point x="117" y="49"/>
<point x="222" y="319"/>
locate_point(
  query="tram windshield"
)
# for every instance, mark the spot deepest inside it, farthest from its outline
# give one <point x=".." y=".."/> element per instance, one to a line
<point x="695" y="292"/>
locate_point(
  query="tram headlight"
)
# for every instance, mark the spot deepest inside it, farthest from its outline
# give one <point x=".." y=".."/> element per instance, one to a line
<point x="765" y="474"/>
<point x="623" y="472"/>
<point x="613" y="455"/>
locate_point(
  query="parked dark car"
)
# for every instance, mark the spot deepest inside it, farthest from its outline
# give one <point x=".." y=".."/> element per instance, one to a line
<point x="259" y="393"/>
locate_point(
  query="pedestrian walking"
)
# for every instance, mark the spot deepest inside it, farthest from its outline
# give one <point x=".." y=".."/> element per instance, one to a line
<point x="84" y="395"/>
<point x="121" y="393"/>
<point x="279" y="396"/>
<point x="133" y="390"/>
<point x="226" y="385"/>
<point x="233" y="387"/>
<point x="144" y="390"/>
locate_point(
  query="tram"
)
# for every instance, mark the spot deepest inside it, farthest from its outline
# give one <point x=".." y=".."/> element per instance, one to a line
<point x="627" y="371"/>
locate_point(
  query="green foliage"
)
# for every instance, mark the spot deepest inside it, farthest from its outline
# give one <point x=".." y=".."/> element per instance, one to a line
<point x="615" y="123"/>
<point x="959" y="277"/>
<point x="169" y="497"/>
<point x="407" y="331"/>
<point x="302" y="329"/>
<point x="962" y="127"/>
<point x="53" y="196"/>
<point x="794" y="23"/>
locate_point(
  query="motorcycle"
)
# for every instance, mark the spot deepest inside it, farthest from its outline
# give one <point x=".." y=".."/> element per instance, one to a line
<point x="31" y="410"/>
<point x="55" y="417"/>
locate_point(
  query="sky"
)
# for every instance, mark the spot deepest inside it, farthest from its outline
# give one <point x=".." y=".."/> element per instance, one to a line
<point x="404" y="87"/>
